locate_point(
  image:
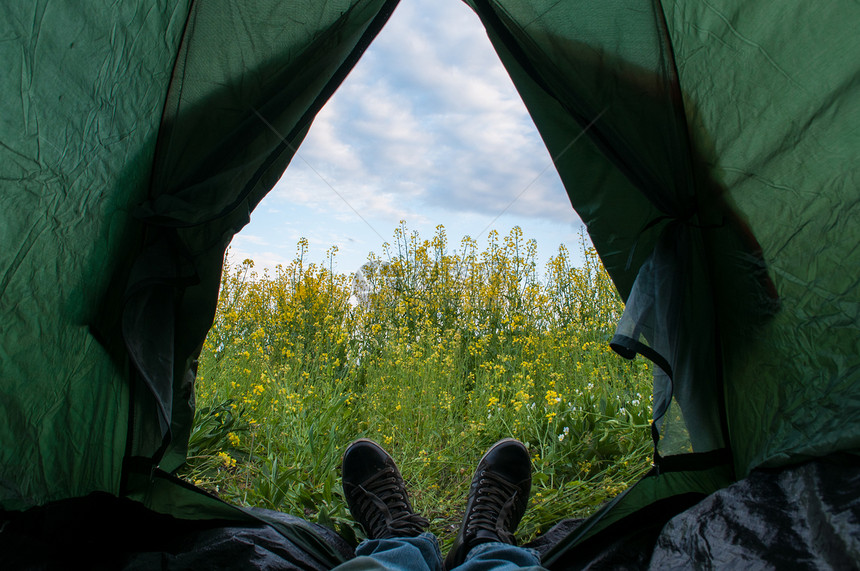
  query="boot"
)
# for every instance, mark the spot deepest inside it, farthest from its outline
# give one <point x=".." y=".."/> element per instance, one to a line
<point x="376" y="494"/>
<point x="497" y="500"/>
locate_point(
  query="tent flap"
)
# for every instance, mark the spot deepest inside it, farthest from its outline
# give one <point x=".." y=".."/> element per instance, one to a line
<point x="82" y="90"/>
<point x="235" y="114"/>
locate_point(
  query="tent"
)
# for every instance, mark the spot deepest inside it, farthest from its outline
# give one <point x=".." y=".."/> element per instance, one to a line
<point x="716" y="170"/>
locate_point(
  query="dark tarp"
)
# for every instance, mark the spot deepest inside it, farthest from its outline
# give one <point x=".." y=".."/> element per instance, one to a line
<point x="102" y="531"/>
<point x="800" y="517"/>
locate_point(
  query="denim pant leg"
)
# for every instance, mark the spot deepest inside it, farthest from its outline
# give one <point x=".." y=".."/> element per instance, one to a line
<point x="401" y="554"/>
<point x="500" y="557"/>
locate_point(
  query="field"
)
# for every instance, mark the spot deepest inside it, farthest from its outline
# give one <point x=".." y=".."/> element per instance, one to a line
<point x="433" y="354"/>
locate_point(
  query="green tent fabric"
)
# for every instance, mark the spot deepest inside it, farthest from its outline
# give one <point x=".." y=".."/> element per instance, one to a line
<point x="711" y="148"/>
<point x="133" y="149"/>
<point x="783" y="143"/>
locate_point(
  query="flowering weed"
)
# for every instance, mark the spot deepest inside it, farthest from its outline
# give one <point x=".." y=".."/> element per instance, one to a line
<point x="436" y="355"/>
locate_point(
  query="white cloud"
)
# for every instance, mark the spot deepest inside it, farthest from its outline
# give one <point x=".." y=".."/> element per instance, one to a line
<point x="263" y="260"/>
<point x="427" y="128"/>
<point x="250" y="238"/>
<point x="327" y="146"/>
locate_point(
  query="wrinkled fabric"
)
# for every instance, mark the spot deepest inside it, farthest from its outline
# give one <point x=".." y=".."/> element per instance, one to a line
<point x="101" y="531"/>
<point x="806" y="517"/>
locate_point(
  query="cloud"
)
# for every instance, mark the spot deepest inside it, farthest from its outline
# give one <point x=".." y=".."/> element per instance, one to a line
<point x="252" y="239"/>
<point x="428" y="120"/>
<point x="263" y="260"/>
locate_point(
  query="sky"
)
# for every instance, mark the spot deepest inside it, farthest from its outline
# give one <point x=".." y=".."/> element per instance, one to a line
<point x="428" y="129"/>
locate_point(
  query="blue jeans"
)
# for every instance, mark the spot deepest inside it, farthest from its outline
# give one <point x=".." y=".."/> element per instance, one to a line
<point x="422" y="554"/>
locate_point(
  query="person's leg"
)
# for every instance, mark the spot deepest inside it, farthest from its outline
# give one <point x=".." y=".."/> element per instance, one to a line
<point x="498" y="497"/>
<point x="377" y="499"/>
<point x="497" y="556"/>
<point x="399" y="554"/>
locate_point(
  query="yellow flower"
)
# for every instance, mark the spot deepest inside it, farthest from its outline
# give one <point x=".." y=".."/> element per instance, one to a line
<point x="552" y="397"/>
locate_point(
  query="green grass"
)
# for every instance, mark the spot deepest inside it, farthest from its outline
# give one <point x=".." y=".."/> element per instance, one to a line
<point x="435" y="356"/>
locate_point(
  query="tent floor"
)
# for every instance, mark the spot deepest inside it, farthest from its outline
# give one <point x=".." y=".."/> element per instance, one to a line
<point x="800" y="517"/>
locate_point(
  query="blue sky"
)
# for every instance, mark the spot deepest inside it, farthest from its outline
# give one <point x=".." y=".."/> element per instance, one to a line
<point x="427" y="128"/>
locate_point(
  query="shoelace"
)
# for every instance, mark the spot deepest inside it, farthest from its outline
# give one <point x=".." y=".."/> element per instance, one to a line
<point x="385" y="509"/>
<point x="492" y="511"/>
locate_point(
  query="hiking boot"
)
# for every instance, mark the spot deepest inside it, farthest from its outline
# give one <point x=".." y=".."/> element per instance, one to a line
<point x="497" y="500"/>
<point x="376" y="494"/>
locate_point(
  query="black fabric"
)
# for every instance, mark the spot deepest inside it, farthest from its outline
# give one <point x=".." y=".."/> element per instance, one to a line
<point x="626" y="544"/>
<point x="102" y="531"/>
<point x="556" y="533"/>
<point x="694" y="461"/>
<point x="800" y="517"/>
<point x="805" y="517"/>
